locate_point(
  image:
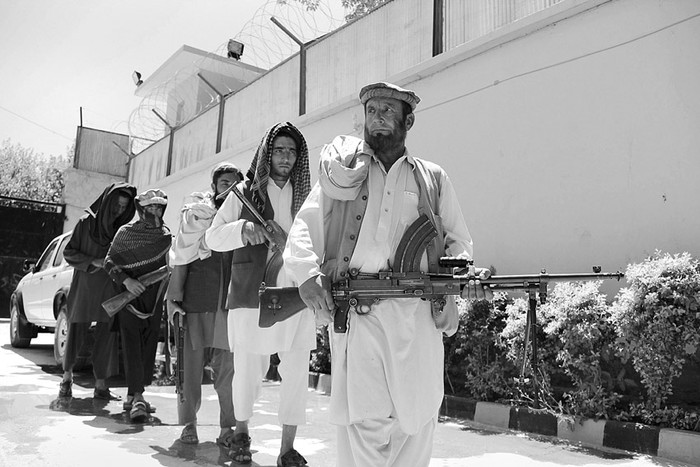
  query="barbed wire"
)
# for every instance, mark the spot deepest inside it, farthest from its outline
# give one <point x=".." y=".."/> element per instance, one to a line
<point x="184" y="96"/>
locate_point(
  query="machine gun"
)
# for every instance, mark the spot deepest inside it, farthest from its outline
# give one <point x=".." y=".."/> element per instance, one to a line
<point x="357" y="293"/>
<point x="279" y="236"/>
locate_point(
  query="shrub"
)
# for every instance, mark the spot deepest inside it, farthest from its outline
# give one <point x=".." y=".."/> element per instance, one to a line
<point x="519" y="352"/>
<point x="475" y="361"/>
<point x="657" y="320"/>
<point x="576" y="322"/>
<point x="321" y="357"/>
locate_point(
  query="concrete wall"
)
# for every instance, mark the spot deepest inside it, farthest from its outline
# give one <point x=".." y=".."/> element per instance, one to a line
<point x="82" y="189"/>
<point x="571" y="135"/>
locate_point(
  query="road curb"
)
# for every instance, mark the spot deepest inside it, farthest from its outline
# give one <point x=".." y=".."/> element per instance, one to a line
<point x="677" y="445"/>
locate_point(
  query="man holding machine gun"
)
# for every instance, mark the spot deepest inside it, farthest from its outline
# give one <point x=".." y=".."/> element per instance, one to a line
<point x="277" y="184"/>
<point x="388" y="363"/>
<point x="197" y="292"/>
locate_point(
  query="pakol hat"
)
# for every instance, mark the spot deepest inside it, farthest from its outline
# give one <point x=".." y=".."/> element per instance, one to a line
<point x="152" y="196"/>
<point x="382" y="89"/>
<point x="225" y="167"/>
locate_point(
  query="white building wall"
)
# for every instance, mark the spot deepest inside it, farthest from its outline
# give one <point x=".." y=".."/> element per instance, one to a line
<point x="570" y="145"/>
<point x="91" y="185"/>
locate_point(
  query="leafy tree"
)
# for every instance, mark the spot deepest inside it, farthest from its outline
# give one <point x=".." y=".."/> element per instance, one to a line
<point x="358" y="8"/>
<point x="27" y="174"/>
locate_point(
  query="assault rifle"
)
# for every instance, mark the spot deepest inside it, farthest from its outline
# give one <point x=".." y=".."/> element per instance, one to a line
<point x="116" y="303"/>
<point x="279" y="236"/>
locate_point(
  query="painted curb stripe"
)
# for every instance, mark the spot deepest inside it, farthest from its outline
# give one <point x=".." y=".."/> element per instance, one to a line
<point x="632" y="437"/>
<point x="677" y="445"/>
<point x="533" y="421"/>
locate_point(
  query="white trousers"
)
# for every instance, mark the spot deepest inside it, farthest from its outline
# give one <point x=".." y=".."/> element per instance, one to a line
<point x="381" y="443"/>
<point x="250" y="369"/>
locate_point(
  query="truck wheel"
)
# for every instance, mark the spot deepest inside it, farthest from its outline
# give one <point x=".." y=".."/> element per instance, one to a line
<point x="60" y="335"/>
<point x="60" y="339"/>
<point x="17" y="327"/>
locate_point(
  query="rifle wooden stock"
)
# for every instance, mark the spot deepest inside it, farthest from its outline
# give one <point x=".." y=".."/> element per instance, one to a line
<point x="116" y="303"/>
<point x="358" y="294"/>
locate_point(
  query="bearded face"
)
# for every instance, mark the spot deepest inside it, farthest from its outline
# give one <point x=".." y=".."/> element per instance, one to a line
<point x="385" y="124"/>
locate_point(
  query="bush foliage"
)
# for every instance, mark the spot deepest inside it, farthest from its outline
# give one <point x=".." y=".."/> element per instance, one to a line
<point x="595" y="360"/>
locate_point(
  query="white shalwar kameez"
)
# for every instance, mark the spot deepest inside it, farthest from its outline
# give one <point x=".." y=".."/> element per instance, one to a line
<point x="252" y="345"/>
<point x="388" y="368"/>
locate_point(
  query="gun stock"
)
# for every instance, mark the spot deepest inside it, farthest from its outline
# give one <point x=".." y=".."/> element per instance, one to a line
<point x="116" y="303"/>
<point x="278" y="304"/>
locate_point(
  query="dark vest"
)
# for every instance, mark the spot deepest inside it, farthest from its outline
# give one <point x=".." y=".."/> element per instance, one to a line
<point x="248" y="264"/>
<point x="207" y="283"/>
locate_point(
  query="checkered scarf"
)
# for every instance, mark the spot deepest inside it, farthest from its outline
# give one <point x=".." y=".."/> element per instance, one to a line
<point x="259" y="171"/>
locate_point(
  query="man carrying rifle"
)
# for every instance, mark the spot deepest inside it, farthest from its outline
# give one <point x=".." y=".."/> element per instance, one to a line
<point x="388" y="364"/>
<point x="197" y="292"/>
<point x="276" y="186"/>
<point x="139" y="248"/>
<point x="91" y="285"/>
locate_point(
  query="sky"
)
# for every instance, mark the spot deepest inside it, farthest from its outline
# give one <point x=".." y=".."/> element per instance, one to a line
<point x="58" y="56"/>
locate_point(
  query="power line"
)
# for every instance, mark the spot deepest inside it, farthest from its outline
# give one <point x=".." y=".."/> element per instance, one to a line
<point x="35" y="123"/>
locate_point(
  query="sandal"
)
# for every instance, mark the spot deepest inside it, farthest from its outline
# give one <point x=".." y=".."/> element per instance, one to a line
<point x="129" y="402"/>
<point x="189" y="435"/>
<point x="291" y="458"/>
<point x="240" y="449"/>
<point x="226" y="440"/>
<point x="139" y="411"/>
<point x="105" y="394"/>
<point x="65" y="389"/>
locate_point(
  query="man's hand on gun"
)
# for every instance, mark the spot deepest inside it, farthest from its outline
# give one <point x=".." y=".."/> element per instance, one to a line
<point x="316" y="294"/>
<point x="134" y="286"/>
<point x="474" y="290"/>
<point x="255" y="234"/>
<point x="173" y="307"/>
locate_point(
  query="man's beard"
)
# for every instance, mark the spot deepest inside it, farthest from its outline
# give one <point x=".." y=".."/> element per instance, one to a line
<point x="385" y="143"/>
<point x="218" y="202"/>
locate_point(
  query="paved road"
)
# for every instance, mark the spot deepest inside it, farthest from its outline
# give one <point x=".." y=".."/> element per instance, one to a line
<point x="37" y="431"/>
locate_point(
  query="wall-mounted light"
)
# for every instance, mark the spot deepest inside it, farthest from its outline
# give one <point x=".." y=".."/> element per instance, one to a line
<point x="235" y="49"/>
<point x="136" y="76"/>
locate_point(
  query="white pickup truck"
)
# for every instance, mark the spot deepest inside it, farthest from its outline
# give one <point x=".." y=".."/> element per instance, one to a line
<point x="38" y="304"/>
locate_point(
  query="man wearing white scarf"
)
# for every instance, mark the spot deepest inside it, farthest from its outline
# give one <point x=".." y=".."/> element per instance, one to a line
<point x="387" y="369"/>
<point x="197" y="291"/>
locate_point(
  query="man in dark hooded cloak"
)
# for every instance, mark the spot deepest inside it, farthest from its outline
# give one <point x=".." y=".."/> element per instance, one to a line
<point x="91" y="285"/>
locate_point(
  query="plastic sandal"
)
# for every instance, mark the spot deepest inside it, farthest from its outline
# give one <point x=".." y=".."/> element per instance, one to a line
<point x="240" y="449"/>
<point x="189" y="435"/>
